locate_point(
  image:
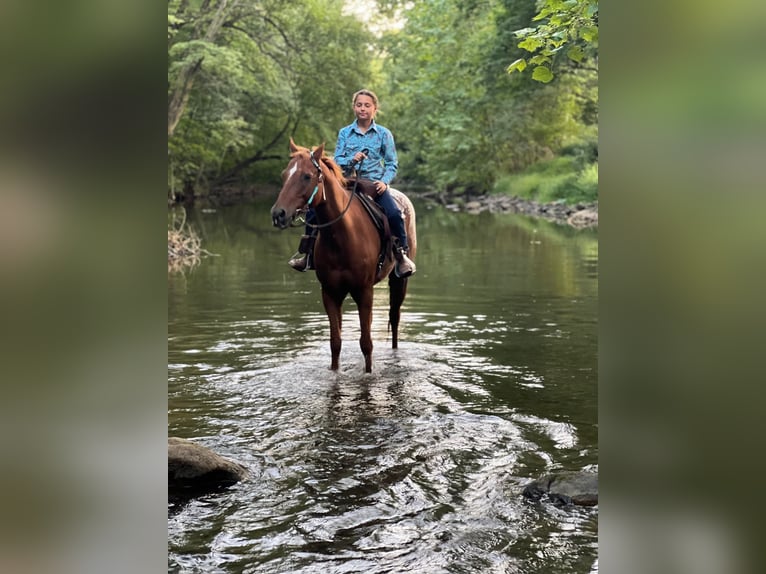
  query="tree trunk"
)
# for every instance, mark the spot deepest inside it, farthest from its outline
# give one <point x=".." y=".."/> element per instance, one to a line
<point x="179" y="96"/>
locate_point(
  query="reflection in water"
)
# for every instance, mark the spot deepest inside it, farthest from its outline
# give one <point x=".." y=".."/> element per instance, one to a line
<point x="418" y="466"/>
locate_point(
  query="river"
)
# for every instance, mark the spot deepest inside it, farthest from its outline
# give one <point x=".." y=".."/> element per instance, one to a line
<point x="417" y="467"/>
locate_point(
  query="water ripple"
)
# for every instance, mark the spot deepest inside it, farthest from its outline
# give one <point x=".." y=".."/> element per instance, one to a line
<point x="417" y="467"/>
<point x="388" y="472"/>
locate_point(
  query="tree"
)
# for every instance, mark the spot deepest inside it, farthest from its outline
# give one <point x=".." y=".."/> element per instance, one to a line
<point x="206" y="24"/>
<point x="460" y="120"/>
<point x="568" y="26"/>
<point x="245" y="76"/>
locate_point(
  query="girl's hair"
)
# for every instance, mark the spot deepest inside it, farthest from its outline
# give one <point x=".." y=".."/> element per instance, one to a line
<point x="365" y="93"/>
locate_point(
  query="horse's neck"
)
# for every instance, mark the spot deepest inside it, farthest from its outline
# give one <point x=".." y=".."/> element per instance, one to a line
<point x="334" y="203"/>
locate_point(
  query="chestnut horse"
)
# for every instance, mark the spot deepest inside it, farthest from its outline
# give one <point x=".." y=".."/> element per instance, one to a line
<point x="347" y="247"/>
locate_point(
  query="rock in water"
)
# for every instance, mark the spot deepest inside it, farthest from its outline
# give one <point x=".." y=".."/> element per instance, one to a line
<point x="194" y="470"/>
<point x="562" y="488"/>
<point x="584" y="218"/>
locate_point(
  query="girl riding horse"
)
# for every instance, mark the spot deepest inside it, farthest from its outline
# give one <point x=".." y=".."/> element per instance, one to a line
<point x="368" y="147"/>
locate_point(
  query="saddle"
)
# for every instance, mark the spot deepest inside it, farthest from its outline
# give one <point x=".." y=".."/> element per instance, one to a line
<point x="365" y="191"/>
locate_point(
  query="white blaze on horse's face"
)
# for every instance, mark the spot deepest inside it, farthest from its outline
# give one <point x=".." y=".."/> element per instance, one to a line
<point x="292" y="171"/>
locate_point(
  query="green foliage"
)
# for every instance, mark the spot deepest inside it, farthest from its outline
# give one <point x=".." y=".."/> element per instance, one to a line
<point x="460" y="120"/>
<point x="520" y="64"/>
<point x="274" y="69"/>
<point x="583" y="151"/>
<point x="587" y="182"/>
<point x="558" y="179"/>
<point x="542" y="74"/>
<point x="570" y="24"/>
<point x="438" y="97"/>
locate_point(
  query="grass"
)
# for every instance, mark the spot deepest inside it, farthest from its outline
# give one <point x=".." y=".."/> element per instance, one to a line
<point x="558" y="179"/>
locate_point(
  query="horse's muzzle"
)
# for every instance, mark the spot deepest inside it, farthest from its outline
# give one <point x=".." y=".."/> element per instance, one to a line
<point x="279" y="217"/>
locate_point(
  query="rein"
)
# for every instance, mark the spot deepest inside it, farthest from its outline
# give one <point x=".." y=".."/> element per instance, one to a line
<point x="324" y="184"/>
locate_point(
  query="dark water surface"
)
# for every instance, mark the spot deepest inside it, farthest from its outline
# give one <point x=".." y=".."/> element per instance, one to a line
<point x="417" y="467"/>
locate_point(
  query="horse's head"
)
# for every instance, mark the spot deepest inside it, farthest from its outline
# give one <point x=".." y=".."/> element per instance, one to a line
<point x="300" y="181"/>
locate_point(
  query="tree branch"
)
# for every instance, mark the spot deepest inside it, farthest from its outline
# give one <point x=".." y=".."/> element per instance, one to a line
<point x="260" y="155"/>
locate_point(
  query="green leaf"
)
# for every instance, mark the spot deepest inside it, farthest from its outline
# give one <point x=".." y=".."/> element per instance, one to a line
<point x="542" y="74"/>
<point x="575" y="53"/>
<point x="519" y="65"/>
<point x="540" y="59"/>
<point x="531" y="44"/>
<point x="589" y="33"/>
<point x="524" y="32"/>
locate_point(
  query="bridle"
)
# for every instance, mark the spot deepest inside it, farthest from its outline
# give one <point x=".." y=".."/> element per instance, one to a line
<point x="320" y="180"/>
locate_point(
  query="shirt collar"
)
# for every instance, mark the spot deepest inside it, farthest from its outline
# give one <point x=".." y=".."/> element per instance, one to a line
<point x="373" y="126"/>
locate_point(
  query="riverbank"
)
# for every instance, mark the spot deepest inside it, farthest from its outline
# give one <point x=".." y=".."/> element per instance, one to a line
<point x="579" y="215"/>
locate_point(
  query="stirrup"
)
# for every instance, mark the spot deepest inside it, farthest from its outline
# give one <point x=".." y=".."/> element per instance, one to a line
<point x="303" y="260"/>
<point x="300" y="262"/>
<point x="403" y="261"/>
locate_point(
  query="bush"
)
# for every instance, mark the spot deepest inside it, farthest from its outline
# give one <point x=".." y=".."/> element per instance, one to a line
<point x="583" y="153"/>
<point x="587" y="182"/>
<point x="554" y="180"/>
<point x="561" y="165"/>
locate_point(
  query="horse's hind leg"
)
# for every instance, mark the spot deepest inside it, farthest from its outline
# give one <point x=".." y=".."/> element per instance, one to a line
<point x="364" y="303"/>
<point x="333" y="308"/>
<point x="397" y="288"/>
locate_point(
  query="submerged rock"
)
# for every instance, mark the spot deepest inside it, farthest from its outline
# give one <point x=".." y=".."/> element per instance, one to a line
<point x="194" y="470"/>
<point x="562" y="488"/>
<point x="584" y="218"/>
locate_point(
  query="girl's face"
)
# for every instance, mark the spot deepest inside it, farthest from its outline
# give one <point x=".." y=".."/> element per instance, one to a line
<point x="364" y="108"/>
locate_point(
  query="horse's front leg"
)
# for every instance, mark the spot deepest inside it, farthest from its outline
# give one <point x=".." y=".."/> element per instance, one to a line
<point x="333" y="308"/>
<point x="364" y="303"/>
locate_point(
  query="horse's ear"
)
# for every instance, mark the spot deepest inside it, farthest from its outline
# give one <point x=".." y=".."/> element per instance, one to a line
<point x="318" y="153"/>
<point x="293" y="147"/>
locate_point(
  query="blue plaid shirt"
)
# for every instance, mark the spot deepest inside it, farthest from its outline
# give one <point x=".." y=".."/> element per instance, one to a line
<point x="381" y="163"/>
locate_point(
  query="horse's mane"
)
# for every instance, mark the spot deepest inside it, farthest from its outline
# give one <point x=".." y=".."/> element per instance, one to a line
<point x="329" y="163"/>
<point x="335" y="168"/>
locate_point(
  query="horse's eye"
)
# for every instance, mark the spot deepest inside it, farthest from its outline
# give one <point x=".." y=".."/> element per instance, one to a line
<point x="306" y="177"/>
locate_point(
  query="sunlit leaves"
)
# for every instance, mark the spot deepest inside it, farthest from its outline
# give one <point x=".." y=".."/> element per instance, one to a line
<point x="519" y="65"/>
<point x="539" y="59"/>
<point x="569" y="23"/>
<point x="589" y="33"/>
<point x="524" y="32"/>
<point x="542" y="74"/>
<point x="576" y="53"/>
<point x="531" y="43"/>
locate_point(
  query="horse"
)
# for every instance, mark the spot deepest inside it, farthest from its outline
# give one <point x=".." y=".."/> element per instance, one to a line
<point x="347" y="248"/>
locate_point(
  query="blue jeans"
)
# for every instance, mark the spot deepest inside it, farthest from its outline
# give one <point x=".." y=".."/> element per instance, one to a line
<point x="393" y="213"/>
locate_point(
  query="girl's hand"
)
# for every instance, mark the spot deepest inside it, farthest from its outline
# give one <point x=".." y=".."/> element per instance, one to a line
<point x="380" y="187"/>
<point x="359" y="156"/>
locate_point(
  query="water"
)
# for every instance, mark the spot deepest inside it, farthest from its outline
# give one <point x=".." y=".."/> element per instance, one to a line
<point x="418" y="466"/>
